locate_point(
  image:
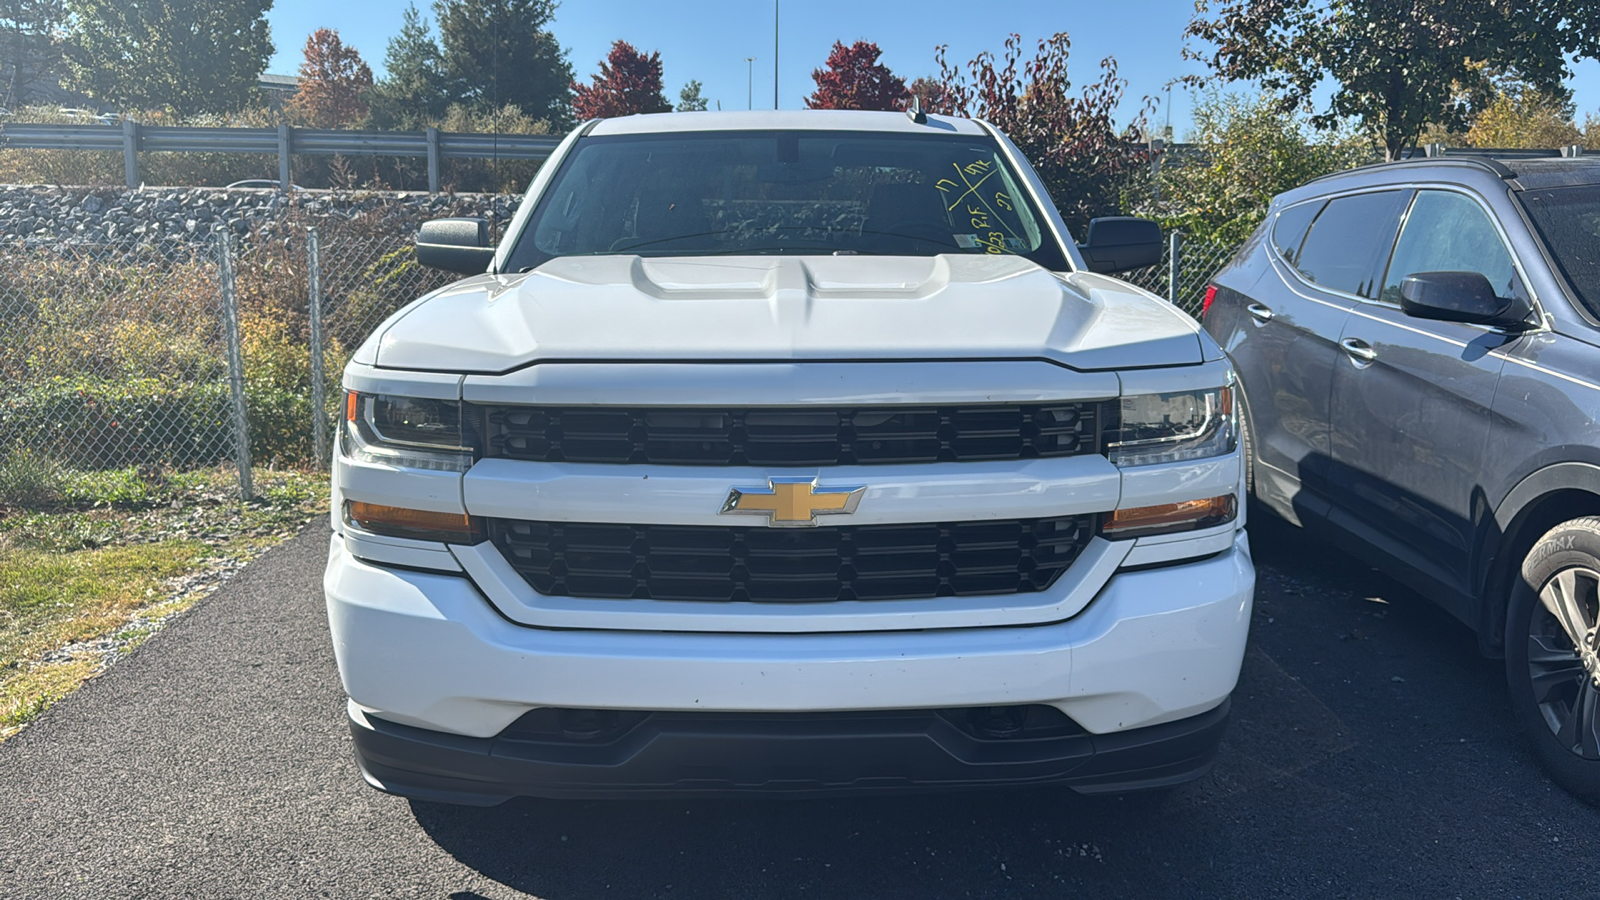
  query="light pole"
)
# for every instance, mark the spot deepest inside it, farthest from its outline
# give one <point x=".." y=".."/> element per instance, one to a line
<point x="750" y="82"/>
<point x="775" y="53"/>
<point x="1166" y="133"/>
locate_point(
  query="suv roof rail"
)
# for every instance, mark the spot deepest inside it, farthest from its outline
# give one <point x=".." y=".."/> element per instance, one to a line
<point x="1497" y="168"/>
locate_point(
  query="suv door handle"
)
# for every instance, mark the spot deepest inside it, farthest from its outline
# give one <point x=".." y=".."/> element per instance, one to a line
<point x="1359" y="350"/>
<point x="1261" y="313"/>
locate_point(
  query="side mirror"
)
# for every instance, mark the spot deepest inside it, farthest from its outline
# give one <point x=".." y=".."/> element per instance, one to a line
<point x="455" y="245"/>
<point x="1121" y="243"/>
<point x="1459" y="297"/>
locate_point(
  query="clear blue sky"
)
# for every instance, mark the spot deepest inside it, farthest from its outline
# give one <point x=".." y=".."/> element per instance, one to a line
<point x="708" y="40"/>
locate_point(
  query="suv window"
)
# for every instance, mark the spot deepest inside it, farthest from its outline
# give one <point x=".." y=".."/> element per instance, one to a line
<point x="1348" y="239"/>
<point x="1449" y="232"/>
<point x="785" y="192"/>
<point x="1290" y="229"/>
<point x="1568" y="219"/>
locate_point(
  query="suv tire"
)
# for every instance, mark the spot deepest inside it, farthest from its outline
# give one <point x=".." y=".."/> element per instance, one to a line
<point x="1551" y="662"/>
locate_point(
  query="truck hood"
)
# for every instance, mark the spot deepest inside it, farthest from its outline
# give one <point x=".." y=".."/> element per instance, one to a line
<point x="786" y="308"/>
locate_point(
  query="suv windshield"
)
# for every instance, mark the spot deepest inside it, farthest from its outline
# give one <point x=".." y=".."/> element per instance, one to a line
<point x="1568" y="219"/>
<point x="785" y="192"/>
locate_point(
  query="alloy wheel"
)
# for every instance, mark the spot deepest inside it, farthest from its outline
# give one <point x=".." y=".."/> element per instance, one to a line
<point x="1564" y="659"/>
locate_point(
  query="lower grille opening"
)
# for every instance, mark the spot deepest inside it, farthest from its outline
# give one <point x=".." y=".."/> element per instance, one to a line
<point x="551" y="725"/>
<point x="811" y="565"/>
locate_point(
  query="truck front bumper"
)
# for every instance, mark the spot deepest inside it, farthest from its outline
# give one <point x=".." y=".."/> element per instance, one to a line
<point x="438" y="682"/>
<point x="808" y="754"/>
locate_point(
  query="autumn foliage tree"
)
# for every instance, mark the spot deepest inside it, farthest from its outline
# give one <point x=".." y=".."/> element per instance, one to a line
<point x="932" y="92"/>
<point x="1071" y="138"/>
<point x="1520" y="116"/>
<point x="854" y="79"/>
<point x="334" y="81"/>
<point x="628" y="83"/>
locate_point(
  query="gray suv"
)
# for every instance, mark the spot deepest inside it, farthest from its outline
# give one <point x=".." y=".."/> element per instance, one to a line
<point x="1419" y="349"/>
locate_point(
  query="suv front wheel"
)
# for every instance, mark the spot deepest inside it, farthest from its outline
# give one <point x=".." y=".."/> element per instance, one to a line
<point x="1553" y="653"/>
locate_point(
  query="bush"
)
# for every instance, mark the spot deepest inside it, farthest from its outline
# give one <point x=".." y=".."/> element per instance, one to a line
<point x="91" y="422"/>
<point x="129" y="313"/>
<point x="1245" y="152"/>
<point x="28" y="479"/>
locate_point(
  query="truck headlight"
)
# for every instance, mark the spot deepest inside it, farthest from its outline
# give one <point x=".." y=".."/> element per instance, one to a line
<point x="414" y="432"/>
<point x="1165" y="428"/>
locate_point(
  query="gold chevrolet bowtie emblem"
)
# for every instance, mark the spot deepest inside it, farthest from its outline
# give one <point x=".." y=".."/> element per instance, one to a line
<point x="793" y="502"/>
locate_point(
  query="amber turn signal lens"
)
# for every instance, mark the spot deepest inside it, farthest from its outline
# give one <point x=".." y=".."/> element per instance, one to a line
<point x="394" y="521"/>
<point x="1170" y="518"/>
<point x="350" y="405"/>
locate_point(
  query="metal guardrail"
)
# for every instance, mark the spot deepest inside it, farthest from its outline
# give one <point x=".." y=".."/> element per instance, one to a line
<point x="133" y="138"/>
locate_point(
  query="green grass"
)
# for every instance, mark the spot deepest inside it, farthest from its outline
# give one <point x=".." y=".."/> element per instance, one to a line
<point x="97" y="554"/>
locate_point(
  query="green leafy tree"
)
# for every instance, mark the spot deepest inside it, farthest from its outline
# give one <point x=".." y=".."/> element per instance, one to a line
<point x="411" y="94"/>
<point x="690" y="100"/>
<point x="188" y="56"/>
<point x="1084" y="159"/>
<point x="498" y="52"/>
<point x="1245" y="150"/>
<point x="1397" y="66"/>
<point x="30" y="49"/>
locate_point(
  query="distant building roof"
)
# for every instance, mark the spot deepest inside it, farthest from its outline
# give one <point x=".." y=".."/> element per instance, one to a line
<point x="279" y="82"/>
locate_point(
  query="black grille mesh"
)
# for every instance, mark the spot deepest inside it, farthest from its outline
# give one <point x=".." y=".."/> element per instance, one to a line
<point x="791" y="565"/>
<point x="791" y="436"/>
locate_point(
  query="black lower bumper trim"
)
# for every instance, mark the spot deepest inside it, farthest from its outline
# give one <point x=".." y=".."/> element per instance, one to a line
<point x="713" y="754"/>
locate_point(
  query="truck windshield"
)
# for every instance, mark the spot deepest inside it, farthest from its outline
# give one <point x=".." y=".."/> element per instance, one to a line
<point x="785" y="192"/>
<point x="1568" y="219"/>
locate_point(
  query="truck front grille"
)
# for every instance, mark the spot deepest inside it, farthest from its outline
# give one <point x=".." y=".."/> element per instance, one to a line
<point x="792" y="436"/>
<point x="799" y="565"/>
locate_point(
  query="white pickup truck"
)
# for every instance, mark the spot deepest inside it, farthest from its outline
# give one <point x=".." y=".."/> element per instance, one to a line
<point x="794" y="451"/>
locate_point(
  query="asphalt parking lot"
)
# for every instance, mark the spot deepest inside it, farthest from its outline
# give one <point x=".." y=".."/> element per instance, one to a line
<point x="1371" y="754"/>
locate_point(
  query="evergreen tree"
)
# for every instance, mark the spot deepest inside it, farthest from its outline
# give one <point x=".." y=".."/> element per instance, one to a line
<point x="411" y="93"/>
<point x="499" y="52"/>
<point x="689" y="99"/>
<point x="189" y="56"/>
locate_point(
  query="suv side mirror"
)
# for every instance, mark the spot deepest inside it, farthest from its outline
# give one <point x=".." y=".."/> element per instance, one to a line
<point x="1121" y="243"/>
<point x="1459" y="297"/>
<point x="455" y="245"/>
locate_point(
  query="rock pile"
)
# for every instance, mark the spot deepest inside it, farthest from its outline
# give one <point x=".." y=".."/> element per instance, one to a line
<point x="43" y="215"/>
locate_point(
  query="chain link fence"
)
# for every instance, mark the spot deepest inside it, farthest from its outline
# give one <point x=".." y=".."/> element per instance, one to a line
<point x="1186" y="267"/>
<point x="112" y="357"/>
<point x="356" y="280"/>
<point x="181" y="352"/>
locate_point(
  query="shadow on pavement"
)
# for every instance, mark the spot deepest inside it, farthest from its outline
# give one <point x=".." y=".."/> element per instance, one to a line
<point x="929" y="846"/>
<point x="1370" y="751"/>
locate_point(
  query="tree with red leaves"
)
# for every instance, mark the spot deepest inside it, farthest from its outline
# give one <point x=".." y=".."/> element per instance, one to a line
<point x="854" y="79"/>
<point x="629" y="82"/>
<point x="334" y="81"/>
<point x="932" y="92"/>
<point x="1072" y="141"/>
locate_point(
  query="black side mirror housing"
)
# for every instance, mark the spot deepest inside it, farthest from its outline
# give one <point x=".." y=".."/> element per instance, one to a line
<point x="455" y="245"/>
<point x="1460" y="297"/>
<point x="1120" y="244"/>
